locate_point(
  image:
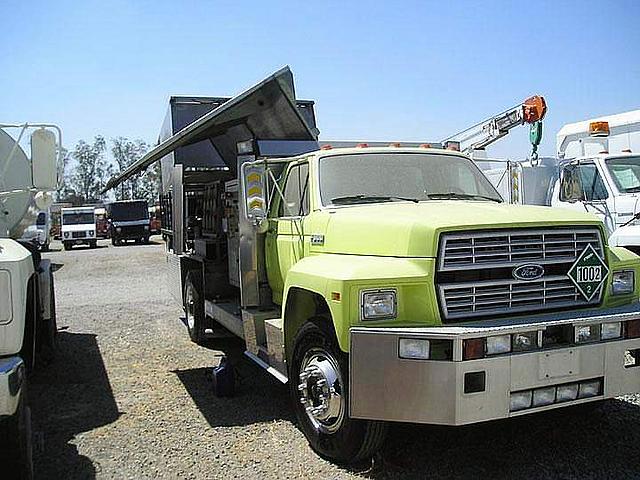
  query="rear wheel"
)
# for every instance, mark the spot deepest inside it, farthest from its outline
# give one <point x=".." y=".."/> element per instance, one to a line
<point x="318" y="383"/>
<point x="194" y="307"/>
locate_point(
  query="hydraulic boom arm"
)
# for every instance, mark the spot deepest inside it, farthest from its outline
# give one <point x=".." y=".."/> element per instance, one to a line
<point x="484" y="133"/>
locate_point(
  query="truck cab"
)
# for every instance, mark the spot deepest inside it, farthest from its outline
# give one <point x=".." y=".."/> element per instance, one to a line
<point x="600" y="173"/>
<point x="129" y="220"/>
<point x="78" y="227"/>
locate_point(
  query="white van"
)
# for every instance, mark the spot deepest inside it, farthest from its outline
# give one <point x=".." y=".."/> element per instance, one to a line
<point x="78" y="227"/>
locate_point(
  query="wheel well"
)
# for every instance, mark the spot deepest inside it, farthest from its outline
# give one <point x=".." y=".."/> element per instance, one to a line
<point x="302" y="305"/>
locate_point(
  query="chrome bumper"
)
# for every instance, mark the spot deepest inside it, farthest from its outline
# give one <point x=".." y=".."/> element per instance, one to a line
<point x="386" y="387"/>
<point x="12" y="376"/>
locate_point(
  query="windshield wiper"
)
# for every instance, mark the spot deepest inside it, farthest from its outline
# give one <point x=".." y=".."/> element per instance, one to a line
<point x="371" y="198"/>
<point x="462" y="196"/>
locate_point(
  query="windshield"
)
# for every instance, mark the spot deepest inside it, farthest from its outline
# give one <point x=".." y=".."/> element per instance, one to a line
<point x="625" y="172"/>
<point x="377" y="177"/>
<point x="77" y="218"/>
<point x="129" y="211"/>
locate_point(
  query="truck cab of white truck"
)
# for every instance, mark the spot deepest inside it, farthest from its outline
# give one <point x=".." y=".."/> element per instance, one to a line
<point x="27" y="306"/>
<point x="599" y="171"/>
<point x="78" y="227"/>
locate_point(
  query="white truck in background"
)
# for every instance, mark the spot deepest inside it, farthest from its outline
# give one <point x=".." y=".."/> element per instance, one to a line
<point x="78" y="226"/>
<point x="39" y="233"/>
<point x="27" y="303"/>
<point x="597" y="169"/>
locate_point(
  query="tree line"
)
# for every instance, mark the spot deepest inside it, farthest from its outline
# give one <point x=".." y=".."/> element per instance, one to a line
<point x="87" y="168"/>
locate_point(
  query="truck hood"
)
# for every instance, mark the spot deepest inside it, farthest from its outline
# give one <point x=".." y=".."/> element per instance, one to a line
<point x="412" y="229"/>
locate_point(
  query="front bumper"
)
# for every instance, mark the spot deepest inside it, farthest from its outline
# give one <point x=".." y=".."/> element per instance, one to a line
<point x="386" y="387"/>
<point x="12" y="376"/>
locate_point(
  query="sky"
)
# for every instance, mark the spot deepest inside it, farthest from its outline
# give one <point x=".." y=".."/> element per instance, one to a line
<point x="387" y="71"/>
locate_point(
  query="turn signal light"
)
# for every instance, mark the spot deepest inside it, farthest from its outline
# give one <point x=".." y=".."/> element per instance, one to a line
<point x="599" y="129"/>
<point x="394" y="144"/>
<point x="632" y="329"/>
<point x="326" y="147"/>
<point x="425" y="145"/>
<point x="473" y="348"/>
<point x="362" y="145"/>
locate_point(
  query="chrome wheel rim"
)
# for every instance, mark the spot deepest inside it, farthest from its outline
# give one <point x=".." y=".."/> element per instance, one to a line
<point x="321" y="390"/>
<point x="189" y="303"/>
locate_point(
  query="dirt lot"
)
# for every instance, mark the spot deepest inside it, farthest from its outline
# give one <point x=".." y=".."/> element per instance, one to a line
<point x="129" y="398"/>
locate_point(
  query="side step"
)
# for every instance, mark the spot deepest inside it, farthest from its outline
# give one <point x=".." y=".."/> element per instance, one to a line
<point x="226" y="314"/>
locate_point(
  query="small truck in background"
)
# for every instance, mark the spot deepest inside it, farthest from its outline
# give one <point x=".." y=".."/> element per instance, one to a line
<point x="78" y="227"/>
<point x="28" y="328"/>
<point x="383" y="283"/>
<point x="128" y="220"/>
<point x="40" y="232"/>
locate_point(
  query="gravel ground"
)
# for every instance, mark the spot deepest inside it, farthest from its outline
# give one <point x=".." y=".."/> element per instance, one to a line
<point x="129" y="397"/>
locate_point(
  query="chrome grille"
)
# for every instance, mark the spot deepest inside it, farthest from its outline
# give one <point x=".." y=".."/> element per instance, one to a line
<point x="515" y="247"/>
<point x="473" y="256"/>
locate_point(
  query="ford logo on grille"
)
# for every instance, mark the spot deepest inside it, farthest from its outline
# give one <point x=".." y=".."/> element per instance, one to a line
<point x="530" y="271"/>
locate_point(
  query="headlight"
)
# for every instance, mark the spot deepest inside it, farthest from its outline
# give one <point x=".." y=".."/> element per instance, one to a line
<point x="498" y="344"/>
<point x="587" y="333"/>
<point x="90" y="233"/>
<point x="623" y="282"/>
<point x="378" y="304"/>
<point x="146" y="227"/>
<point x="413" y="348"/>
<point x="118" y="229"/>
<point x="525" y="341"/>
<point x="611" y="330"/>
<point x="66" y="234"/>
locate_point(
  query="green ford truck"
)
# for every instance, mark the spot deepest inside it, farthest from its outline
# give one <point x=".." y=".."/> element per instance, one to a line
<point x="384" y="283"/>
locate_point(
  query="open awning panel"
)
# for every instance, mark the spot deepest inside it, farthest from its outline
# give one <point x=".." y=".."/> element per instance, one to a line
<point x="267" y="111"/>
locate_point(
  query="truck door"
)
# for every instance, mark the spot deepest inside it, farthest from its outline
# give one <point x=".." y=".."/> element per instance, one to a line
<point x="581" y="187"/>
<point x="284" y="239"/>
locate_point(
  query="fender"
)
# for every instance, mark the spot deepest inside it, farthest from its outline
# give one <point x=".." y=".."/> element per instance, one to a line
<point x="338" y="279"/>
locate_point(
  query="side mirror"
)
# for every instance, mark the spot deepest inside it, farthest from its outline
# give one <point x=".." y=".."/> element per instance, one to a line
<point x="44" y="166"/>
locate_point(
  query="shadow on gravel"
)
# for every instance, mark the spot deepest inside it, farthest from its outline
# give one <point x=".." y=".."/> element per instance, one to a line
<point x="603" y="442"/>
<point x="56" y="266"/>
<point x="258" y="398"/>
<point x="68" y="397"/>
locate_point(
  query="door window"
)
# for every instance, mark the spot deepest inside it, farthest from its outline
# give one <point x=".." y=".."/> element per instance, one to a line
<point x="582" y="182"/>
<point x="296" y="192"/>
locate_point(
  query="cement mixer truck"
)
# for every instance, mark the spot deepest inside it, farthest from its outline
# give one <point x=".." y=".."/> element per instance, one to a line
<point x="27" y="303"/>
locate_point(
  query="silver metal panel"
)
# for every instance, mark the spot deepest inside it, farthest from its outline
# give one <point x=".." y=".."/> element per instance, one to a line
<point x="275" y="344"/>
<point x="174" y="277"/>
<point x="227" y="315"/>
<point x="261" y="363"/>
<point x="385" y="387"/>
<point x="178" y="209"/>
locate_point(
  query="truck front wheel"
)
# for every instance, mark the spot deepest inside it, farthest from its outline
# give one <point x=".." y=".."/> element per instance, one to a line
<point x="318" y="384"/>
<point x="66" y="245"/>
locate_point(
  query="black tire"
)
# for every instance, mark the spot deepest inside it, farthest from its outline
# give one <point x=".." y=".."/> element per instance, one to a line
<point x="66" y="245"/>
<point x="29" y="344"/>
<point x="344" y="440"/>
<point x="93" y="243"/>
<point x="49" y="329"/>
<point x="194" y="307"/>
<point x="17" y="452"/>
<point x="45" y="247"/>
<point x="145" y="240"/>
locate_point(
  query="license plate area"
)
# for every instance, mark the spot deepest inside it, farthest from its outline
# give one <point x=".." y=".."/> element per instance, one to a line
<point x="559" y="364"/>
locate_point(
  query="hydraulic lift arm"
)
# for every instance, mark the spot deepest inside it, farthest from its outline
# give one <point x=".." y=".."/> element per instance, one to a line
<point x="484" y="133"/>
